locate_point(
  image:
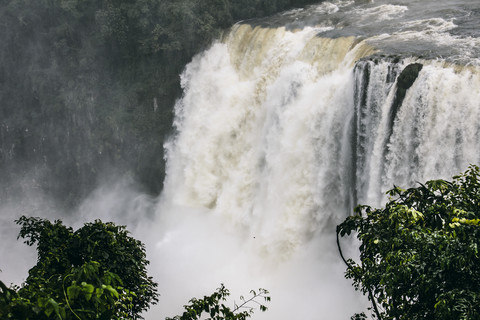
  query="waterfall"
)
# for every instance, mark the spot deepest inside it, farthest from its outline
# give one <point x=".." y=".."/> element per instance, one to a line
<point x="282" y="132"/>
<point x="433" y="134"/>
<point x="265" y="139"/>
<point x="285" y="124"/>
<point x="282" y="129"/>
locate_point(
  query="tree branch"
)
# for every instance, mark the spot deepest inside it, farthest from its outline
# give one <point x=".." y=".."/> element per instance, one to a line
<point x="372" y="298"/>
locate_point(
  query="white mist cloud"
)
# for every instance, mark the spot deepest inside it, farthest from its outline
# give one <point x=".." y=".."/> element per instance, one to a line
<point x="192" y="251"/>
<point x="16" y="258"/>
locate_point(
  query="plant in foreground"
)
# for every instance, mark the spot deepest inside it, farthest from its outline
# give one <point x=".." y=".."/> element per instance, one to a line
<point x="419" y="255"/>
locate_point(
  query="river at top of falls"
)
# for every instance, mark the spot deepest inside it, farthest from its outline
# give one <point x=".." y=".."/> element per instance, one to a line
<point x="431" y="29"/>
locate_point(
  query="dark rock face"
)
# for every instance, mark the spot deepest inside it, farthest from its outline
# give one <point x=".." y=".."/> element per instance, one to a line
<point x="404" y="81"/>
<point x="408" y="76"/>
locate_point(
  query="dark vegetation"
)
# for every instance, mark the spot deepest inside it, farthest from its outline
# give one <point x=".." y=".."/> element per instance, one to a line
<point x="419" y="256"/>
<point x="95" y="272"/>
<point x="98" y="272"/>
<point x="87" y="86"/>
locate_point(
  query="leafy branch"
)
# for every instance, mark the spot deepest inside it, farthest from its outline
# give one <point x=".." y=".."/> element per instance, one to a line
<point x="217" y="310"/>
<point x="262" y="293"/>
<point x="419" y="255"/>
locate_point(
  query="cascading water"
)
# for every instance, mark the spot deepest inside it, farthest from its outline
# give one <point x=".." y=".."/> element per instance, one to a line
<point x="263" y="139"/>
<point x="289" y="122"/>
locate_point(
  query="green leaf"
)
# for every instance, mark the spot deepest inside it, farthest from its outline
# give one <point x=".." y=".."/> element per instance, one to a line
<point x="112" y="291"/>
<point x="55" y="307"/>
<point x="72" y="292"/>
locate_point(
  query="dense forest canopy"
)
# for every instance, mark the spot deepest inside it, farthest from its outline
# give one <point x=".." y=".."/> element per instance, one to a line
<point x="87" y="86"/>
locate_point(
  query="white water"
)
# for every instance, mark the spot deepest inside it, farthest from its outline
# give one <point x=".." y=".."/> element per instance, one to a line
<point x="260" y="170"/>
<point x="251" y="168"/>
<point x="435" y="133"/>
<point x="274" y="147"/>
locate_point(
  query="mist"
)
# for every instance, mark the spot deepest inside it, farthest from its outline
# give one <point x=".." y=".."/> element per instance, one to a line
<point x="194" y="250"/>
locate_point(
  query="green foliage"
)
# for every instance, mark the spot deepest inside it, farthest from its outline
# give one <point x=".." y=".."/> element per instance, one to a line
<point x="95" y="272"/>
<point x="85" y="293"/>
<point x="80" y="300"/>
<point x="98" y="272"/>
<point x="214" y="307"/>
<point x="419" y="256"/>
